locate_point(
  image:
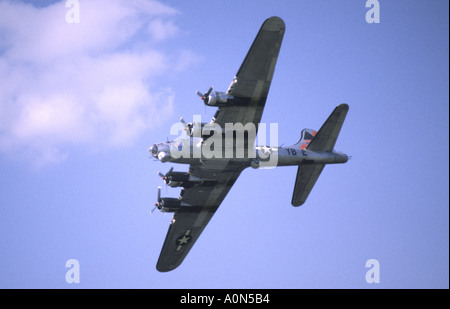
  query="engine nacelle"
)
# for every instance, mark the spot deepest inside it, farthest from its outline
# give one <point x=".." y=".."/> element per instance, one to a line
<point x="181" y="179"/>
<point x="218" y="98"/>
<point x="169" y="204"/>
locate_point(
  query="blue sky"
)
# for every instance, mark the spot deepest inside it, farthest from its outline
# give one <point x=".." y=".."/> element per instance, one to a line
<point x="81" y="103"/>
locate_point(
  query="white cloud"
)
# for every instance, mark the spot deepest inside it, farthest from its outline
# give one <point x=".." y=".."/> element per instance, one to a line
<point x="83" y="84"/>
<point x="161" y="29"/>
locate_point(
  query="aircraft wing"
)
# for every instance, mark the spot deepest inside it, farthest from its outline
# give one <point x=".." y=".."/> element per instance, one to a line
<point x="251" y="84"/>
<point x="187" y="225"/>
<point x="249" y="89"/>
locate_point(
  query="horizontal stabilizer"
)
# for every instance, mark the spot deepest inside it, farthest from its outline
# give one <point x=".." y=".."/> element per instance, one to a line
<point x="326" y="137"/>
<point x="306" y="179"/>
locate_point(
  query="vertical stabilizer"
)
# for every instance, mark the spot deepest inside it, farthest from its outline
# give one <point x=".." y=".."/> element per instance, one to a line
<point x="306" y="137"/>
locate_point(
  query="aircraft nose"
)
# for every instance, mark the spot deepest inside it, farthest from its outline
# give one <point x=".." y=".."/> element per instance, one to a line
<point x="153" y="150"/>
<point x="163" y="156"/>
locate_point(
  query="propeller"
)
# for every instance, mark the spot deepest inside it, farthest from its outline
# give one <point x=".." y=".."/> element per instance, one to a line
<point x="164" y="177"/>
<point x="187" y="126"/>
<point x="205" y="95"/>
<point x="157" y="204"/>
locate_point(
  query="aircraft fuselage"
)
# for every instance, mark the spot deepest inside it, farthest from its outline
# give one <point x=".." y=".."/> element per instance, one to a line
<point x="260" y="156"/>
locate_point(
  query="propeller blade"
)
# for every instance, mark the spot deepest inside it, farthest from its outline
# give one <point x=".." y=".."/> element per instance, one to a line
<point x="157" y="202"/>
<point x="161" y="175"/>
<point x="208" y="92"/>
<point x="170" y="171"/>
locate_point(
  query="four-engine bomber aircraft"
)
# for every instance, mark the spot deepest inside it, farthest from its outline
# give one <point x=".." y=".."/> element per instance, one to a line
<point x="209" y="178"/>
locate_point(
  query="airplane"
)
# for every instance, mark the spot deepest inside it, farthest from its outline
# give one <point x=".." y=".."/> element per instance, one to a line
<point x="210" y="178"/>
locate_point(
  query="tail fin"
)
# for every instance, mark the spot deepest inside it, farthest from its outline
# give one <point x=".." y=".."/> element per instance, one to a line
<point x="324" y="140"/>
<point x="306" y="137"/>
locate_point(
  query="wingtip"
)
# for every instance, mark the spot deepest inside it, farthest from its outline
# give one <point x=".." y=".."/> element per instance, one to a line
<point x="275" y="18"/>
<point x="274" y="23"/>
<point x="165" y="268"/>
<point x="297" y="204"/>
<point x="344" y="106"/>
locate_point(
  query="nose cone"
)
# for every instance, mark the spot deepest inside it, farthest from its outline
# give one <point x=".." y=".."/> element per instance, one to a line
<point x="153" y="150"/>
<point x="160" y="151"/>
